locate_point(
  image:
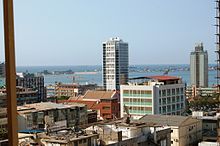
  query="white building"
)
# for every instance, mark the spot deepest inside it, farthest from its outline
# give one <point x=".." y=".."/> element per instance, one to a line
<point x="153" y="95"/>
<point x="199" y="67"/>
<point x="115" y="63"/>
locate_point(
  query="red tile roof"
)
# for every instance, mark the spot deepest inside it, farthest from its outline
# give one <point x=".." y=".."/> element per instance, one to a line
<point x="163" y="78"/>
<point x="159" y="78"/>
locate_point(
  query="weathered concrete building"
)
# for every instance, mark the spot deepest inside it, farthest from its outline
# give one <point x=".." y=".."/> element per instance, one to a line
<point x="185" y="131"/>
<point x="51" y="116"/>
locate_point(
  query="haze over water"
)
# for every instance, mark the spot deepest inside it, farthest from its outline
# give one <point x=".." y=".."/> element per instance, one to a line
<point x="82" y="77"/>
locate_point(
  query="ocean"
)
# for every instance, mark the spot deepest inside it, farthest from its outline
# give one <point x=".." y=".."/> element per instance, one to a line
<point x="93" y="74"/>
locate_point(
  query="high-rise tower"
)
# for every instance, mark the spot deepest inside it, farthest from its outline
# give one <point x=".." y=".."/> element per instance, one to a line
<point x="199" y="67"/>
<point x="115" y="63"/>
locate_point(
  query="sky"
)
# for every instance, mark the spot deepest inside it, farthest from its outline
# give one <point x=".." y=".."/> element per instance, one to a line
<point x="71" y="32"/>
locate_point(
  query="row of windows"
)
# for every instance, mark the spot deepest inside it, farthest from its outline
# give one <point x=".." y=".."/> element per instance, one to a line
<point x="137" y="100"/>
<point x="110" y="71"/>
<point x="110" y="66"/>
<point x="110" y="59"/>
<point x="110" y="77"/>
<point x="140" y="108"/>
<point x="169" y="92"/>
<point x="170" y="108"/>
<point x="137" y="91"/>
<point x="169" y="100"/>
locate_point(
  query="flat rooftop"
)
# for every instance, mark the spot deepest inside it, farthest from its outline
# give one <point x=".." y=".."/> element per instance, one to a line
<point x="45" y="106"/>
<point x="159" y="78"/>
<point x="166" y="120"/>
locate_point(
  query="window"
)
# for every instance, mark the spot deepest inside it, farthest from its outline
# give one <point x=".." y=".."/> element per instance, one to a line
<point x="181" y="90"/>
<point x="164" y="101"/>
<point x="173" y="91"/>
<point x="173" y="99"/>
<point x="168" y="100"/>
<point x="177" y="91"/>
<point x="168" y="92"/>
<point x="163" y="92"/>
<point x="106" y="108"/>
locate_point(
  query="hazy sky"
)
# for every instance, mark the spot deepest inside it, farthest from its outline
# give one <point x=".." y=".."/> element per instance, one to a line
<point x="71" y="32"/>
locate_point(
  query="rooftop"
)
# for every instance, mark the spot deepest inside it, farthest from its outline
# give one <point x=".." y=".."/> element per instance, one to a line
<point x="159" y="78"/>
<point x="99" y="94"/>
<point x="44" y="106"/>
<point x="166" y="120"/>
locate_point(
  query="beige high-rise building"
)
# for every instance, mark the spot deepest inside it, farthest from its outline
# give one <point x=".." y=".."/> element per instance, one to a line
<point x="199" y="67"/>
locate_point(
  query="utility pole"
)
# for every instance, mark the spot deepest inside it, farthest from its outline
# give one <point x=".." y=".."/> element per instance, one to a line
<point x="10" y="72"/>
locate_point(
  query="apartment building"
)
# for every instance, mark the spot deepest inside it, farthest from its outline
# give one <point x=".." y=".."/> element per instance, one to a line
<point x="193" y="91"/>
<point x="153" y="95"/>
<point x="24" y="95"/>
<point x="51" y="116"/>
<point x="69" y="90"/>
<point x="35" y="82"/>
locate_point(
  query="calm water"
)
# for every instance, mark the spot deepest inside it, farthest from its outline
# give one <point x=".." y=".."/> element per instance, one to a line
<point x="137" y="70"/>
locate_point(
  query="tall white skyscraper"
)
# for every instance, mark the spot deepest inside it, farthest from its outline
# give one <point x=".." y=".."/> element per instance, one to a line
<point x="199" y="67"/>
<point x="115" y="63"/>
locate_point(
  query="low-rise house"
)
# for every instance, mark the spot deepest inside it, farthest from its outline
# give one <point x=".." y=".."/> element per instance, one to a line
<point x="185" y="131"/>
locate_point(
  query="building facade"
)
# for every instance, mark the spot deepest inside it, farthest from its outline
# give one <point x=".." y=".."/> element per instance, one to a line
<point x="24" y="95"/>
<point x="199" y="67"/>
<point x="51" y="116"/>
<point x="68" y="90"/>
<point x="192" y="91"/>
<point x="118" y="133"/>
<point x="153" y="95"/>
<point x="115" y="63"/>
<point x="185" y="131"/>
<point x="28" y="80"/>
<point x="106" y="103"/>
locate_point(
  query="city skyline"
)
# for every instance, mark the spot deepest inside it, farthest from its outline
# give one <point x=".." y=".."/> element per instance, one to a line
<point x="49" y="35"/>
